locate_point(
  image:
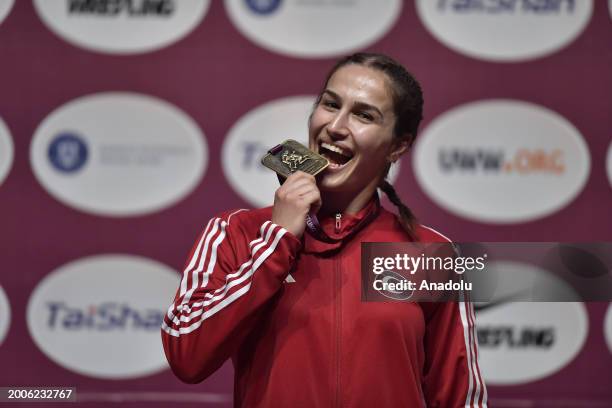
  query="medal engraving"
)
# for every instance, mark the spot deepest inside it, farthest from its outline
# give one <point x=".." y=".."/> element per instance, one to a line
<point x="290" y="156"/>
<point x="293" y="159"/>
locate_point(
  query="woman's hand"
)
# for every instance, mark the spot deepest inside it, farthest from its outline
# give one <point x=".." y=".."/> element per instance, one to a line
<point x="294" y="200"/>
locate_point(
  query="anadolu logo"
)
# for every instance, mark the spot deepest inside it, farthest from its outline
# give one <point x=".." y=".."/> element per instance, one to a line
<point x="124" y="154"/>
<point x="313" y="28"/>
<point x="390" y="284"/>
<point x="5" y="315"/>
<point x="254" y="134"/>
<point x="523" y="29"/>
<point x="520" y="342"/>
<point x="122" y="27"/>
<point x="501" y="161"/>
<point x="5" y="8"/>
<point x="6" y="151"/>
<point x="68" y="152"/>
<point x="263" y="7"/>
<point x="119" y="321"/>
<point x="608" y="327"/>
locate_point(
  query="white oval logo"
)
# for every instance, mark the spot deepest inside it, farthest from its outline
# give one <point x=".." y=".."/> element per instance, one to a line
<point x="521" y="342"/>
<point x="501" y="161"/>
<point x="254" y="134"/>
<point x="608" y="327"/>
<point x="5" y="315"/>
<point x="313" y="28"/>
<point x="121" y="27"/>
<point x="609" y="164"/>
<point x="523" y="29"/>
<point x="6" y="151"/>
<point x="5" y="8"/>
<point x="250" y="138"/>
<point x="100" y="316"/>
<point x="118" y="154"/>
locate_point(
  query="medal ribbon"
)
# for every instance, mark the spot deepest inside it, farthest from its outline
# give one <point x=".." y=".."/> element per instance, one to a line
<point x="315" y="229"/>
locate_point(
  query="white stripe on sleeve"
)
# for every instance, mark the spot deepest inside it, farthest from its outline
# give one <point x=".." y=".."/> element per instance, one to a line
<point x="466" y="337"/>
<point x="223" y="300"/>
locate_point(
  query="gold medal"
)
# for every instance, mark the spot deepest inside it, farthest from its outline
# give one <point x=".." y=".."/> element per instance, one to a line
<point x="291" y="156"/>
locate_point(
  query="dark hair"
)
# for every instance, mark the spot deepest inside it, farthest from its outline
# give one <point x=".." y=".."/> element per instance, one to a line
<point x="407" y="106"/>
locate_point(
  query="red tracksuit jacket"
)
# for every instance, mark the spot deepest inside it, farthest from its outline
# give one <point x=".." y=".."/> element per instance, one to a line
<point x="289" y="315"/>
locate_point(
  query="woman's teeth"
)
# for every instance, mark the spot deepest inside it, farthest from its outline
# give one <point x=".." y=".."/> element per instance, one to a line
<point x="336" y="156"/>
<point x="335" y="149"/>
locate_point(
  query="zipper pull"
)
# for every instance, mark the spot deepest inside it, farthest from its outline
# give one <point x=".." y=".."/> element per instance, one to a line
<point x="338" y="222"/>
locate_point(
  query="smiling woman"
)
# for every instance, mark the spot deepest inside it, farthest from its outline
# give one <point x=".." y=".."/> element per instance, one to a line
<point x="282" y="298"/>
<point x="355" y="116"/>
<point x="379" y="104"/>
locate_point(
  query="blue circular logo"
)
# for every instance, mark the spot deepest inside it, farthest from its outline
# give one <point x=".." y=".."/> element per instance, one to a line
<point x="67" y="152"/>
<point x="263" y="6"/>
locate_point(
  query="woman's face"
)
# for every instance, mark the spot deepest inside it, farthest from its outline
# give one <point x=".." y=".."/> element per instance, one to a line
<point x="352" y="126"/>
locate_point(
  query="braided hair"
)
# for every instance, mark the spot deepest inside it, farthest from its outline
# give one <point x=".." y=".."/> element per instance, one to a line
<point x="407" y="99"/>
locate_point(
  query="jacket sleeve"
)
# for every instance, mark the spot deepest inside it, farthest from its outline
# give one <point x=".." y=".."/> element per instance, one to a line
<point x="227" y="279"/>
<point x="452" y="377"/>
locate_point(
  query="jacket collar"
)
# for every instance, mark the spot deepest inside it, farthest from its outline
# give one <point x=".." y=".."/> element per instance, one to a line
<point x="342" y="231"/>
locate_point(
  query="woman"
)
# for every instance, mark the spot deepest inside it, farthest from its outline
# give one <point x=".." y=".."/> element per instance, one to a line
<point x="284" y="303"/>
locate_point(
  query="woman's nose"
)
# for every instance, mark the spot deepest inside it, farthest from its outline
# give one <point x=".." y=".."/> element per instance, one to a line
<point x="338" y="126"/>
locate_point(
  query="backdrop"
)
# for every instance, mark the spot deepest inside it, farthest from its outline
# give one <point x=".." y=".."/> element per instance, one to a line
<point x="126" y="125"/>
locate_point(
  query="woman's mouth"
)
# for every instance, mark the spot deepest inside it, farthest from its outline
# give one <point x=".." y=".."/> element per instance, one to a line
<point x="337" y="156"/>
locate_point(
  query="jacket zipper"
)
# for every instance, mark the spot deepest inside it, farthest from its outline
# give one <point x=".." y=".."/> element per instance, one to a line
<point x="338" y="222"/>
<point x="338" y="303"/>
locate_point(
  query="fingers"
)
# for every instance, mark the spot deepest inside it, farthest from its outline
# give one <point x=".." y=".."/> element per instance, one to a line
<point x="293" y="200"/>
<point x="299" y="186"/>
<point x="300" y="175"/>
<point x="299" y="178"/>
<point x="296" y="185"/>
<point x="305" y="194"/>
<point x="313" y="199"/>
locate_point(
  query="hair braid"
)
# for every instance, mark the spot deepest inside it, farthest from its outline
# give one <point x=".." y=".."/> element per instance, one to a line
<point x="406" y="217"/>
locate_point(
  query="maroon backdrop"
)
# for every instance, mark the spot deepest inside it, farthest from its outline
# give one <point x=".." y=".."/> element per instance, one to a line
<point x="216" y="75"/>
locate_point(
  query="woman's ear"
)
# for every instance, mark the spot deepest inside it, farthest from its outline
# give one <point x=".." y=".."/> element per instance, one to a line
<point x="398" y="148"/>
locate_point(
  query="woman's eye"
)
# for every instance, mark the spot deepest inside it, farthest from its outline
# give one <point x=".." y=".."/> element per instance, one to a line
<point x="365" y="116"/>
<point x="330" y="104"/>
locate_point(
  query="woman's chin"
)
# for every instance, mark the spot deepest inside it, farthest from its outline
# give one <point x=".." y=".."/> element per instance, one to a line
<point x="329" y="183"/>
<point x="333" y="183"/>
